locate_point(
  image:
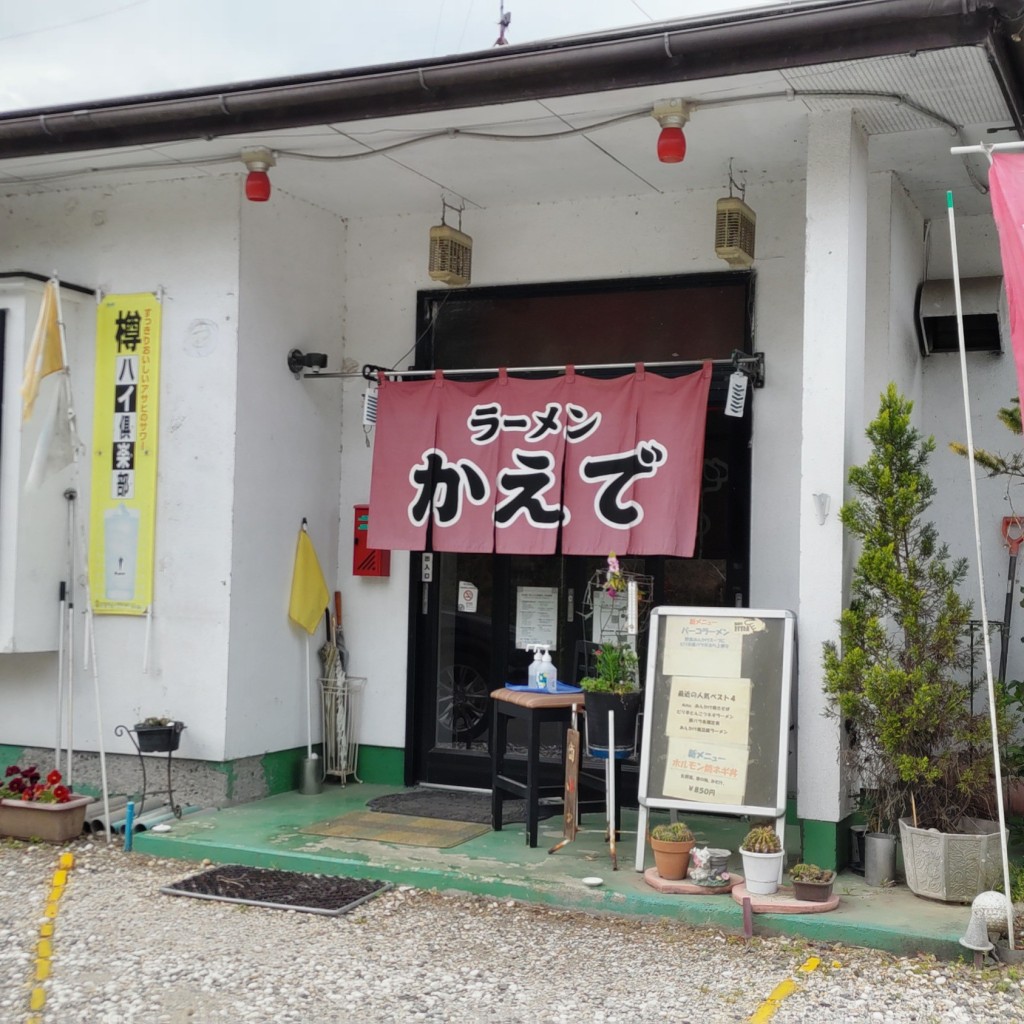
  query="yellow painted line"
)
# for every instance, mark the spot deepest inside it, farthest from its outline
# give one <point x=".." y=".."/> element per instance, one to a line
<point x="44" y="947"/>
<point x="770" y="1006"/>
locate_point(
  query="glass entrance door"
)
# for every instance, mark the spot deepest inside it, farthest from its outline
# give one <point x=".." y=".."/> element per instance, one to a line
<point x="478" y="614"/>
<point x="468" y="610"/>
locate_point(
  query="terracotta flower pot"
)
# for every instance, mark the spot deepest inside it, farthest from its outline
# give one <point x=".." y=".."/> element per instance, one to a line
<point x="672" y="859"/>
<point x="53" y="823"/>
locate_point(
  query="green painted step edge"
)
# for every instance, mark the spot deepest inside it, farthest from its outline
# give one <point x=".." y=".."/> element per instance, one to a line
<point x="702" y="912"/>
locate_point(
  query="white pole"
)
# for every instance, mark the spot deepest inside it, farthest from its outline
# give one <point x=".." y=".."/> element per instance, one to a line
<point x="91" y="628"/>
<point x="71" y="496"/>
<point x="309" y="707"/>
<point x="987" y="148"/>
<point x="981" y="575"/>
<point x="61" y="654"/>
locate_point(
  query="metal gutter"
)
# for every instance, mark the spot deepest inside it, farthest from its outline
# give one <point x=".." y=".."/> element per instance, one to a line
<point x="672" y="52"/>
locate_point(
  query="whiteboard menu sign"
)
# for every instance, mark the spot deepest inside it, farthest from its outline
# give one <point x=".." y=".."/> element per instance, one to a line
<point x="716" y="711"/>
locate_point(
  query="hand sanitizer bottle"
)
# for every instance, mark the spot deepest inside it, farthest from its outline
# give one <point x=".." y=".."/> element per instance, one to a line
<point x="547" y="677"/>
<point x="531" y="677"/>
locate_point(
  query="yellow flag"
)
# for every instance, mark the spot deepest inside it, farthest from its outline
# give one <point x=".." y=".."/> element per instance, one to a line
<point x="45" y="354"/>
<point x="309" y="591"/>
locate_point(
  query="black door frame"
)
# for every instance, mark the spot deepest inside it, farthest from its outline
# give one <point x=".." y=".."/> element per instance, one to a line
<point x="422" y="655"/>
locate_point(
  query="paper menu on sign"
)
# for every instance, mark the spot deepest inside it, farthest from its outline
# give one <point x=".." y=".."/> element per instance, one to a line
<point x="709" y="709"/>
<point x="702" y="646"/>
<point x="705" y="772"/>
<point x="536" y="616"/>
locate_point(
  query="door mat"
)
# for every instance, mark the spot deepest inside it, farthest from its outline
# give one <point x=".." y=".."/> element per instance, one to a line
<point x="281" y="890"/>
<point x="398" y="828"/>
<point x="449" y="805"/>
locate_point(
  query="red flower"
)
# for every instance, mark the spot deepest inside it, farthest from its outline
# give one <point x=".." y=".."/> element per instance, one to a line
<point x="62" y="793"/>
<point x="26" y="795"/>
<point x="54" y="777"/>
<point x="17" y="785"/>
<point x="13" y="769"/>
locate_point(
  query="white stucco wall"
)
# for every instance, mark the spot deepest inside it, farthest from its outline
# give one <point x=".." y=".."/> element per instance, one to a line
<point x="182" y="238"/>
<point x="287" y="462"/>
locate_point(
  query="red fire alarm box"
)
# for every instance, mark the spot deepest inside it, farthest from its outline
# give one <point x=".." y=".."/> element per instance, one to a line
<point x="367" y="561"/>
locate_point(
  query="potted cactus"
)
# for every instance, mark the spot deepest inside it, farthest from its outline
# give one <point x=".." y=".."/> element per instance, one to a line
<point x="811" y="883"/>
<point x="763" y="857"/>
<point x="672" y="844"/>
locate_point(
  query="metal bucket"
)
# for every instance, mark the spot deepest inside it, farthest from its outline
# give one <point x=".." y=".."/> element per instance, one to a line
<point x="311" y="778"/>
<point x="879" y="859"/>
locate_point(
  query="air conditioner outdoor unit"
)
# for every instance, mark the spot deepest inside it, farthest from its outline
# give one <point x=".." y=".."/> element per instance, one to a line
<point x="985" y="315"/>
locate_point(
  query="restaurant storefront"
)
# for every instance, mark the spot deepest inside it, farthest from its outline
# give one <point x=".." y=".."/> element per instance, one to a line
<point x="474" y="612"/>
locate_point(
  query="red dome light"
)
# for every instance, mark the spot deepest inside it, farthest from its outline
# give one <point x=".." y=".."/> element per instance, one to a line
<point x="671" y="145"/>
<point x="257" y="186"/>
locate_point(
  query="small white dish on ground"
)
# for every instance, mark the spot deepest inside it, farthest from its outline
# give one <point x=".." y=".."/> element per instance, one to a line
<point x="593" y="881"/>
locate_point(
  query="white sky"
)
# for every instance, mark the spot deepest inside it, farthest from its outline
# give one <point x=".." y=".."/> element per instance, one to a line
<point x="54" y="52"/>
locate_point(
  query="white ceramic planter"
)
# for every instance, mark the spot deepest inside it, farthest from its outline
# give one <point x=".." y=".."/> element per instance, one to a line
<point x="762" y="872"/>
<point x="953" y="867"/>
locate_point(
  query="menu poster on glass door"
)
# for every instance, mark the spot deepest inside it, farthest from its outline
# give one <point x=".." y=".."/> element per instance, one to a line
<point x="536" y="617"/>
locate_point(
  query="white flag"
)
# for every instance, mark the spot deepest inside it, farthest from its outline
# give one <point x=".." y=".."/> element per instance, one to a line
<point x="58" y="443"/>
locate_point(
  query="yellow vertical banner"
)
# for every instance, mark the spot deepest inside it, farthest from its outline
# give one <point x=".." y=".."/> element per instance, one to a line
<point x="124" y="452"/>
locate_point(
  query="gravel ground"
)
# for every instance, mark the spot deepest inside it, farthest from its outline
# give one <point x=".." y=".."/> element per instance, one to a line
<point x="125" y="954"/>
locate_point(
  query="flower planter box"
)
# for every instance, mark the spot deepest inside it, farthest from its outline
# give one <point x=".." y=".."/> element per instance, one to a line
<point x="814" y="892"/>
<point x="158" y="738"/>
<point x="952" y="866"/>
<point x="53" y="823"/>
